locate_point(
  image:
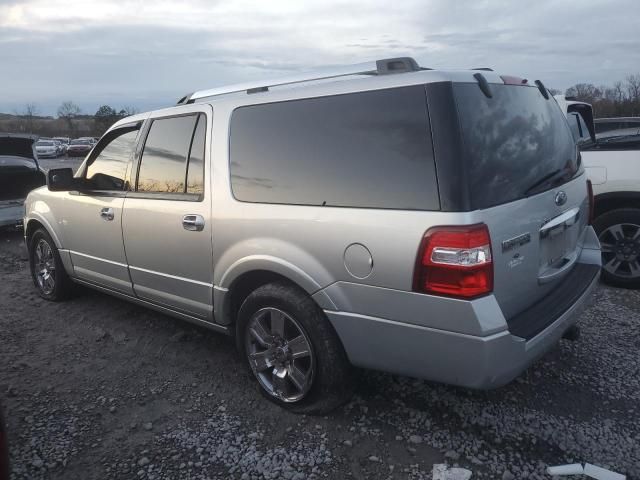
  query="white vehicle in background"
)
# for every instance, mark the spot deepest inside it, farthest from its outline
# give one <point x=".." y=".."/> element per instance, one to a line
<point x="610" y="150"/>
<point x="46" y="148"/>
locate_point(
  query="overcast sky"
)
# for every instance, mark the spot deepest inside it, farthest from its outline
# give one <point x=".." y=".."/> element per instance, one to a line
<point x="147" y="54"/>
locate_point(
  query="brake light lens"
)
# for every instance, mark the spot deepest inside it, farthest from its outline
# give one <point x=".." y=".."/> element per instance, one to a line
<point x="591" y="201"/>
<point x="455" y="261"/>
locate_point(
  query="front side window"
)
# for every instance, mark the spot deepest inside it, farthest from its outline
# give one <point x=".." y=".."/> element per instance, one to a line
<point x="107" y="169"/>
<point x="367" y="149"/>
<point x="163" y="164"/>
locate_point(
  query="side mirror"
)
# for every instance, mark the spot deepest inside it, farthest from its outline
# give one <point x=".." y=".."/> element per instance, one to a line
<point x="61" y="180"/>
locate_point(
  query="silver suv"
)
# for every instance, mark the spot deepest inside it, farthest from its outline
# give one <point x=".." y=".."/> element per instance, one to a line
<point x="426" y="223"/>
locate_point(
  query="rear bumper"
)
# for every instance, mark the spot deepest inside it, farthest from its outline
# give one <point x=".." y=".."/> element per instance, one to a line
<point x="488" y="359"/>
<point x="448" y="357"/>
<point x="11" y="215"/>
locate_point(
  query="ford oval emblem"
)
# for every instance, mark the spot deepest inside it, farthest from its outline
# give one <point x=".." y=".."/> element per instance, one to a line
<point x="561" y="198"/>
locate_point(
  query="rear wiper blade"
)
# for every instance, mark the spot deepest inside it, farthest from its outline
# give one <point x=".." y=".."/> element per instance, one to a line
<point x="547" y="178"/>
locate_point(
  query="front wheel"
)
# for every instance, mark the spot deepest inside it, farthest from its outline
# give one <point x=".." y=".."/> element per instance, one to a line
<point x="619" y="235"/>
<point x="47" y="271"/>
<point x="292" y="350"/>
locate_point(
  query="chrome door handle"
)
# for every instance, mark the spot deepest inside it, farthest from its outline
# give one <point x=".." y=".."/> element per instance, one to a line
<point x="107" y="213"/>
<point x="193" y="223"/>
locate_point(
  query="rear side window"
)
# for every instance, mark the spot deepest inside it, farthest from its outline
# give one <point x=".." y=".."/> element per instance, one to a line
<point x="516" y="144"/>
<point x="369" y="149"/>
<point x="108" y="167"/>
<point x="164" y="158"/>
<point x="195" y="168"/>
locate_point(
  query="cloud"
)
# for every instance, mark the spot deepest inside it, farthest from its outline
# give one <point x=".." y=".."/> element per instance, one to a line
<point x="148" y="54"/>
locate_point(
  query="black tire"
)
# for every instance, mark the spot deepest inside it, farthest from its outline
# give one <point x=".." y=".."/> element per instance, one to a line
<point x="627" y="221"/>
<point x="332" y="380"/>
<point x="62" y="284"/>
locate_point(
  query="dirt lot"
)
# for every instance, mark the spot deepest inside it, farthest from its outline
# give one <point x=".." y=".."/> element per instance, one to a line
<point x="96" y="388"/>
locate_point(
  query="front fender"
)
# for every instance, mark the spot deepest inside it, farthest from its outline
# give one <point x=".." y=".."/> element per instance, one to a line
<point x="39" y="211"/>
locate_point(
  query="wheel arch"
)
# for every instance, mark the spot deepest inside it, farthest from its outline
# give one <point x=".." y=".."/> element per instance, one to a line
<point x="249" y="274"/>
<point x="605" y="202"/>
<point x="34" y="224"/>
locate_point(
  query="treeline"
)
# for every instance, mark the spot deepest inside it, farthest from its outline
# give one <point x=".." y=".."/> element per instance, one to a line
<point x="69" y="122"/>
<point x="622" y="99"/>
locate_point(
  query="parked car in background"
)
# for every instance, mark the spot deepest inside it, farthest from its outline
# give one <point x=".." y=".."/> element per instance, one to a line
<point x="610" y="150"/>
<point x="79" y="147"/>
<point x="59" y="147"/>
<point x="335" y="244"/>
<point x="19" y="174"/>
<point x="65" y="142"/>
<point x="46" y="149"/>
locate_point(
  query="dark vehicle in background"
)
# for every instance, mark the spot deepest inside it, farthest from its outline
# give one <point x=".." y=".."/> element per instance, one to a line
<point x="79" y="147"/>
<point x="19" y="174"/>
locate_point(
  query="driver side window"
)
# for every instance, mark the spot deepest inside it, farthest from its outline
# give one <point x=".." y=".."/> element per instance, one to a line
<point x="107" y="170"/>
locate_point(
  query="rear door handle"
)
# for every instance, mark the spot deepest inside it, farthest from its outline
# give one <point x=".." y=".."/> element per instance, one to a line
<point x="107" y="213"/>
<point x="193" y="223"/>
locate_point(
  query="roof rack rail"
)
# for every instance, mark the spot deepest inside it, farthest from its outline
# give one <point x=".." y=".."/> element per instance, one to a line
<point x="184" y="99"/>
<point x="484" y="69"/>
<point x="385" y="66"/>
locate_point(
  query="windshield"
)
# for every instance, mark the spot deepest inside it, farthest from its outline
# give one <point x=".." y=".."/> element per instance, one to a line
<point x="44" y="144"/>
<point x="516" y="143"/>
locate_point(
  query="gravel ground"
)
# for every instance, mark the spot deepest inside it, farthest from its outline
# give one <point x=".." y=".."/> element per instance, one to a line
<point x="96" y="388"/>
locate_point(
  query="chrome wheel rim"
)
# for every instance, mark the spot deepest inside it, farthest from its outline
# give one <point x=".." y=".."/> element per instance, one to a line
<point x="620" y="246"/>
<point x="280" y="354"/>
<point x="45" y="267"/>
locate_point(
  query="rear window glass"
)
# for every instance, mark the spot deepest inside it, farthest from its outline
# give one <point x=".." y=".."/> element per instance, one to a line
<point x="516" y="143"/>
<point x="369" y="149"/>
<point x="164" y="159"/>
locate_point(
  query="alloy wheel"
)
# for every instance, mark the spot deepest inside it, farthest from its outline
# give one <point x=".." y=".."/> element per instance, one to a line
<point x="620" y="245"/>
<point x="280" y="354"/>
<point x="45" y="267"/>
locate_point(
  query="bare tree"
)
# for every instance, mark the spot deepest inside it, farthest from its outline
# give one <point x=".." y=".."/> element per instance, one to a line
<point x="128" y="110"/>
<point x="633" y="87"/>
<point x="619" y="91"/>
<point x="68" y="111"/>
<point x="585" y="92"/>
<point x="30" y="112"/>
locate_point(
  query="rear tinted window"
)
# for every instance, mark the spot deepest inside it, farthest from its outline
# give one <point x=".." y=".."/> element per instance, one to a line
<point x="516" y="143"/>
<point x="370" y="149"/>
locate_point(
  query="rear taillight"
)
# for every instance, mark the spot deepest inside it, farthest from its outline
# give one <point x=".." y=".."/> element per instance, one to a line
<point x="591" y="201"/>
<point x="455" y="261"/>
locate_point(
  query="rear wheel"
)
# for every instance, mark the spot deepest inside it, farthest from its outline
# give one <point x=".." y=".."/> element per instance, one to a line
<point x="292" y="350"/>
<point x="47" y="271"/>
<point x="619" y="234"/>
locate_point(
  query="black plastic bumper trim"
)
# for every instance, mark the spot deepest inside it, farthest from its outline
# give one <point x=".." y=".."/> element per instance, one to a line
<point x="530" y="322"/>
